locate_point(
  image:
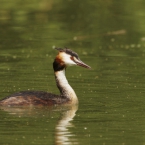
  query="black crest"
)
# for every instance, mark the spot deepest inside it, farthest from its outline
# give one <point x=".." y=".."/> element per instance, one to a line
<point x="68" y="51"/>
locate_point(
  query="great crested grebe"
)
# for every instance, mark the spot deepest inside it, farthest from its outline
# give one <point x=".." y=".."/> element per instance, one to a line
<point x="65" y="57"/>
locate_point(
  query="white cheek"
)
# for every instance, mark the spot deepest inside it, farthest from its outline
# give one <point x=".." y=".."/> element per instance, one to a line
<point x="67" y="60"/>
<point x="70" y="63"/>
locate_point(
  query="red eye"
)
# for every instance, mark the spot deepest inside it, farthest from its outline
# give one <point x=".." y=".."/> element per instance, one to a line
<point x="72" y="58"/>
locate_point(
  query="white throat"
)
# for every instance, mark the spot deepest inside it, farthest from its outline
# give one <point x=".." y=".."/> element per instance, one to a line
<point x="64" y="87"/>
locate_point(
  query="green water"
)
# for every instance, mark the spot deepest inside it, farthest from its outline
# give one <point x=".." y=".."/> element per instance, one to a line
<point x="109" y="36"/>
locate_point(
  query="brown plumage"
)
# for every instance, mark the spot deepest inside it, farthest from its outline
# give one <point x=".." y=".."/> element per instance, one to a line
<point x="34" y="98"/>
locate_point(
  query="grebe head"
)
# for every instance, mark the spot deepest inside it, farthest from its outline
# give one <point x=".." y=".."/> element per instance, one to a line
<point x="67" y="57"/>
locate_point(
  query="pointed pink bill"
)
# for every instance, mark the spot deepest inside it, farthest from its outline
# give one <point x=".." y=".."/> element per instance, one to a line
<point x="80" y="63"/>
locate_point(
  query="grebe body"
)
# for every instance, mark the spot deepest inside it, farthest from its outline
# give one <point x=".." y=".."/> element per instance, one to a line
<point x="65" y="57"/>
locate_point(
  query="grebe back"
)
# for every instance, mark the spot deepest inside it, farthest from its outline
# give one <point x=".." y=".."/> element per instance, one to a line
<point x="65" y="57"/>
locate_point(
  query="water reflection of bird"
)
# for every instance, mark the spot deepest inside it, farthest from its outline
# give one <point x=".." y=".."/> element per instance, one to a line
<point x="63" y="127"/>
<point x="65" y="57"/>
<point x="63" y="134"/>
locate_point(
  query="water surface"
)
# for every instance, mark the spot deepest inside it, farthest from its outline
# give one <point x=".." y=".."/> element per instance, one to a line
<point x="109" y="36"/>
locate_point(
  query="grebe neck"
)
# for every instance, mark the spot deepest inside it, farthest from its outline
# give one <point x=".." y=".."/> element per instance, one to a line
<point x="65" y="89"/>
